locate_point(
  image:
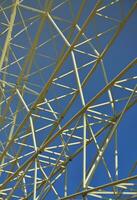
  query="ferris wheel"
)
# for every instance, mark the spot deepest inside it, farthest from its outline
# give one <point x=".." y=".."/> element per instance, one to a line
<point x="68" y="94"/>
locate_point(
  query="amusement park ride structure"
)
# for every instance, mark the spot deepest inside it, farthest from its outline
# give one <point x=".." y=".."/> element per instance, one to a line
<point x="68" y="94"/>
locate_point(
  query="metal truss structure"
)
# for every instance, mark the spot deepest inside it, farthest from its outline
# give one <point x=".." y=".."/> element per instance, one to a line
<point x="66" y="88"/>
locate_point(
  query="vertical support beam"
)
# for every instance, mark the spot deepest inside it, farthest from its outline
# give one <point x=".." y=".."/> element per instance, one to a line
<point x="84" y="151"/>
<point x="81" y="95"/>
<point x="34" y="143"/>
<point x="8" y="38"/>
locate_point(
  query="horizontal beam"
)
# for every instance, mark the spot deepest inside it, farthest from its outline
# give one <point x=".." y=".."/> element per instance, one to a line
<point x="114" y="183"/>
